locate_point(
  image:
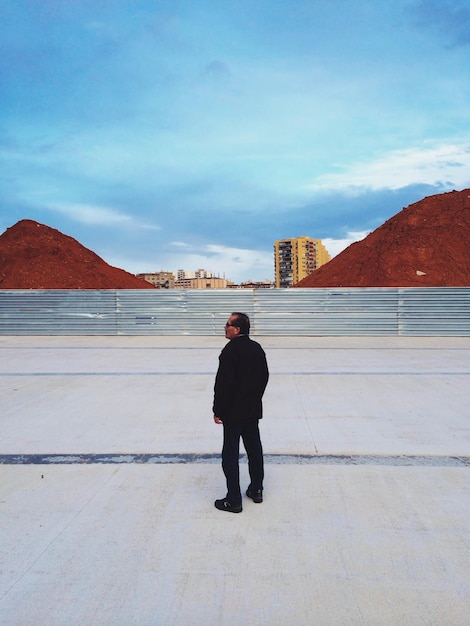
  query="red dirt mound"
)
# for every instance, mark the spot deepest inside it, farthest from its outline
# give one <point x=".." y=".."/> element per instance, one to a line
<point x="35" y="256"/>
<point x="427" y="244"/>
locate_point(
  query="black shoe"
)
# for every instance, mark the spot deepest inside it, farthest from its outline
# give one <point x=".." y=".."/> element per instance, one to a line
<point x="224" y="505"/>
<point x="256" y="496"/>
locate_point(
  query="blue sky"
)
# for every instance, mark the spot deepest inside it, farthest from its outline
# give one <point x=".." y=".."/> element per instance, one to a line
<point x="167" y="134"/>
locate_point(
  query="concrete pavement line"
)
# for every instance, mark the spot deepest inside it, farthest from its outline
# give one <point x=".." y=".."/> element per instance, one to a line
<point x="271" y="348"/>
<point x="104" y="373"/>
<point x="272" y="373"/>
<point x="278" y="459"/>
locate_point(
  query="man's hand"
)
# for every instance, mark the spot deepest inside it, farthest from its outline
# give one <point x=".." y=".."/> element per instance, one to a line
<point x="217" y="420"/>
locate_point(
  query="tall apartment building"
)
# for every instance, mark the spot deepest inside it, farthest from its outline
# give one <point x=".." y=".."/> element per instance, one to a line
<point x="296" y="258"/>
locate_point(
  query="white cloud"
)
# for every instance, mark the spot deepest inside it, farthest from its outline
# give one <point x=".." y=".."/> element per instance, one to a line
<point x="335" y="246"/>
<point x="446" y="164"/>
<point x="98" y="215"/>
<point x="180" y="244"/>
<point x="90" y="214"/>
<point x="235" y="264"/>
<point x="145" y="226"/>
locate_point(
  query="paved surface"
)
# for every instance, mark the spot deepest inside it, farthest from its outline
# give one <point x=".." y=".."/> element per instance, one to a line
<point x="109" y="468"/>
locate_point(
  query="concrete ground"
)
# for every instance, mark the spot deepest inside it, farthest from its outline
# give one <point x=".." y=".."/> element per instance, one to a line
<point x="109" y="466"/>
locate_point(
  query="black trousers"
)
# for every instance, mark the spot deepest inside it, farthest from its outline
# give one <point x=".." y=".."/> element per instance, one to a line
<point x="249" y="432"/>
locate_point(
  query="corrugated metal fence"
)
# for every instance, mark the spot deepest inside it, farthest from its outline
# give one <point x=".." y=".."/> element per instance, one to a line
<point x="307" y="312"/>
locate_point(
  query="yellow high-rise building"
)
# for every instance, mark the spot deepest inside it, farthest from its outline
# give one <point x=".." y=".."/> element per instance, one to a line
<point x="296" y="258"/>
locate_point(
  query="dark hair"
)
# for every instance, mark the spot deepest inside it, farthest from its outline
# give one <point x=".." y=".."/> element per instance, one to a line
<point x="242" y="321"/>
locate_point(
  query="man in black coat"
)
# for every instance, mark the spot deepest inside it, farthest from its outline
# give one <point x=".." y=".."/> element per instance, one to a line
<point x="240" y="382"/>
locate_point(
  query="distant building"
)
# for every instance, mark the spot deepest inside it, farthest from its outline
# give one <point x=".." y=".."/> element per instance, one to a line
<point x="200" y="279"/>
<point x="164" y="280"/>
<point x="201" y="283"/>
<point x="296" y="258"/>
<point x="250" y="284"/>
<point x="200" y="273"/>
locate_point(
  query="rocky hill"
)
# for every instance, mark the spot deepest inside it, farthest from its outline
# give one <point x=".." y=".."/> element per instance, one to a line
<point x="427" y="244"/>
<point x="35" y="256"/>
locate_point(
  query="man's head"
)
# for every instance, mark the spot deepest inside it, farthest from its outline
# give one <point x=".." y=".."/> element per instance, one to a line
<point x="237" y="324"/>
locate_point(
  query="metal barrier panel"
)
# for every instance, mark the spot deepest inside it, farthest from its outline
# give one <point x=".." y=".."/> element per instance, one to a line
<point x="178" y="312"/>
<point x="438" y="311"/>
<point x="58" y="312"/>
<point x="304" y="312"/>
<point x="313" y="312"/>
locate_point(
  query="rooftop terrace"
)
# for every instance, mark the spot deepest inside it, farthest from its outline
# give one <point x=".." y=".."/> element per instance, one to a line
<point x="109" y="464"/>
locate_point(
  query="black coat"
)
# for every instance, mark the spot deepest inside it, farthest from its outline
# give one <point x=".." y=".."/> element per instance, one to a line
<point x="240" y="381"/>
